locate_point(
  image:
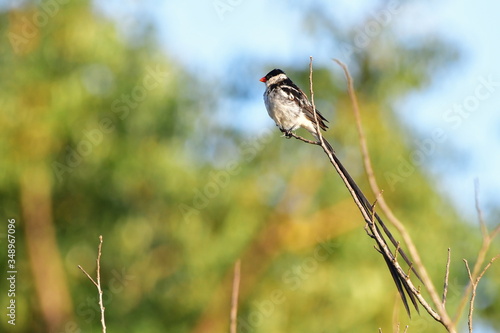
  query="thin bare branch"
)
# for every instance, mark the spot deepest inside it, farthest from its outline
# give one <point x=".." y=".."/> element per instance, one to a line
<point x="474" y="282"/>
<point x="234" y="297"/>
<point x="101" y="303"/>
<point x="298" y="137"/>
<point x="98" y="283"/>
<point x="446" y="277"/>
<point x="481" y="256"/>
<point x="90" y="278"/>
<point x="395" y="316"/>
<point x="487" y="266"/>
<point x="482" y="225"/>
<point x="376" y="200"/>
<point x="472" y="297"/>
<point x="311" y="92"/>
<point x="495" y="232"/>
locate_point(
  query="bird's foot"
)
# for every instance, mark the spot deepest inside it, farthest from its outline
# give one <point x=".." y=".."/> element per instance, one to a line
<point x="287" y="133"/>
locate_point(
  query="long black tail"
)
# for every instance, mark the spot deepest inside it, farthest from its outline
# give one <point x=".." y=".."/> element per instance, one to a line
<point x="401" y="283"/>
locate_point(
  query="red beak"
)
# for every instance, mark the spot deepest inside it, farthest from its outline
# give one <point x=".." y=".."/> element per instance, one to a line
<point x="263" y="79"/>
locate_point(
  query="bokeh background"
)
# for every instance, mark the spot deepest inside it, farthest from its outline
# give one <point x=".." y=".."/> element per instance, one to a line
<point x="143" y="121"/>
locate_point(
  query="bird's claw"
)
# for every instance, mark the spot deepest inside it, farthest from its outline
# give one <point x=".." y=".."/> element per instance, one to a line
<point x="287" y="134"/>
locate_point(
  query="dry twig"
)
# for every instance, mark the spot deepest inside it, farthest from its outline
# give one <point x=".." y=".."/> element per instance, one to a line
<point x="446" y="278"/>
<point x="234" y="297"/>
<point x="487" y="239"/>
<point x="474" y="282"/>
<point x="298" y="137"/>
<point x="97" y="282"/>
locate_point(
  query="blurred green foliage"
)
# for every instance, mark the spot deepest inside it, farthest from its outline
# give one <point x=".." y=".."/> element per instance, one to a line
<point x="129" y="142"/>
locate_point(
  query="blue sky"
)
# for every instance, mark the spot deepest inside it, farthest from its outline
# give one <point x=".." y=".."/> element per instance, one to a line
<point x="206" y="36"/>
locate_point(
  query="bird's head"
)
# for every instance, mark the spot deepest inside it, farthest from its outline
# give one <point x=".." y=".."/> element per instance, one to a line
<point x="274" y="76"/>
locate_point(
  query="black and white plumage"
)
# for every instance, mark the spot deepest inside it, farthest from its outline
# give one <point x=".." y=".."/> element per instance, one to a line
<point x="288" y="106"/>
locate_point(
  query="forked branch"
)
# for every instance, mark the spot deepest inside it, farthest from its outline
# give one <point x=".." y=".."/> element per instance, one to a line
<point x="474" y="282"/>
<point x="97" y="283"/>
<point x="481" y="256"/>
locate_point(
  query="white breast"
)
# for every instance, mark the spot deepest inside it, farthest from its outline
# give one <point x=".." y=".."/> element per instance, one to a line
<point x="285" y="112"/>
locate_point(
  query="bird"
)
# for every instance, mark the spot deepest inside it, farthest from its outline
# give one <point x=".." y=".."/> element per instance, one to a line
<point x="289" y="106"/>
<point x="290" y="109"/>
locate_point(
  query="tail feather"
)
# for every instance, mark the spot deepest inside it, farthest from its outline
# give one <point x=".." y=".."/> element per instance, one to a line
<point x="401" y="284"/>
